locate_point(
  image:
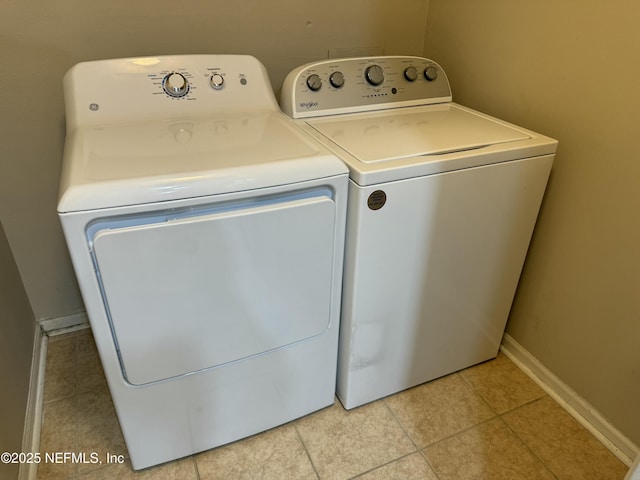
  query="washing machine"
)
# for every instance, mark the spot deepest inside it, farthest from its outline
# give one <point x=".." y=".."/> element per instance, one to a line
<point x="442" y="205"/>
<point x="207" y="236"/>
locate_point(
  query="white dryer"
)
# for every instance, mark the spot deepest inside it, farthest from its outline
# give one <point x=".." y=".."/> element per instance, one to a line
<point x="207" y="235"/>
<point x="442" y="205"/>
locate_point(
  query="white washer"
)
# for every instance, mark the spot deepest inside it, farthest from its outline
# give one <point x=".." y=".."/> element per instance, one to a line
<point x="442" y="204"/>
<point x="207" y="236"/>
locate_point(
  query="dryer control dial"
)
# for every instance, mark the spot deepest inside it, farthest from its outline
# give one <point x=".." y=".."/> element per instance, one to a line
<point x="374" y="74"/>
<point x="216" y="81"/>
<point x="175" y="84"/>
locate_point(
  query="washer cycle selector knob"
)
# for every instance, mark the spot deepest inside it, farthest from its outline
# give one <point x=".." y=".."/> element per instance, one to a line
<point x="431" y="73"/>
<point x="175" y="84"/>
<point x="337" y="79"/>
<point x="216" y="81"/>
<point x="374" y="74"/>
<point x="411" y="74"/>
<point x="314" y="82"/>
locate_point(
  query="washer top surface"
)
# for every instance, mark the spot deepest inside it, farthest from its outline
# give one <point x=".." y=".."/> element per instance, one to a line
<point x="131" y="142"/>
<point x="392" y="118"/>
<point x="409" y="132"/>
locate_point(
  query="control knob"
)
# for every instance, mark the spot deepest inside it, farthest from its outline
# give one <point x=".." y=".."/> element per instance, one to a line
<point x="336" y="79"/>
<point x="411" y="74"/>
<point x="314" y="82"/>
<point x="216" y="81"/>
<point x="431" y="73"/>
<point x="175" y="84"/>
<point x="374" y="74"/>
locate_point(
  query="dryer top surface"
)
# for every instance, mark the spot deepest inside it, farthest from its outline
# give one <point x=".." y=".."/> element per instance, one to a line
<point x="141" y="163"/>
<point x="154" y="129"/>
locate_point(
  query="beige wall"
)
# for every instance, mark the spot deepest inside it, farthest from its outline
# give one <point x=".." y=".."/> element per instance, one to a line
<point x="17" y="328"/>
<point x="40" y="40"/>
<point x="570" y="70"/>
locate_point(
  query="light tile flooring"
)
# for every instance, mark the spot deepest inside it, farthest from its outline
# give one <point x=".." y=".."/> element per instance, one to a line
<point x="487" y="422"/>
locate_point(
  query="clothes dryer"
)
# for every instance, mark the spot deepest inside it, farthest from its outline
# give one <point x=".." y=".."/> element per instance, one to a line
<point x="442" y="205"/>
<point x="207" y="235"/>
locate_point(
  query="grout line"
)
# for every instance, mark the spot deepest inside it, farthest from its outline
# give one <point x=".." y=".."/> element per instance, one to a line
<point x="306" y="450"/>
<point x="431" y="466"/>
<point x="72" y="391"/>
<point x="421" y="450"/>
<point x="527" y="446"/>
<point x="486" y="402"/>
<point x="384" y="402"/>
<point x="460" y="432"/>
<point x="359" y="475"/>
<point x="528" y="402"/>
<point x="195" y="467"/>
<point x="418" y="449"/>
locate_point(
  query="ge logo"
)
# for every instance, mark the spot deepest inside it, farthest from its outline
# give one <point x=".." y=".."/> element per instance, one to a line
<point x="94" y="107"/>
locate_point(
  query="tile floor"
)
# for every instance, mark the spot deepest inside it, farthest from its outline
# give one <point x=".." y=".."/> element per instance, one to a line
<point x="487" y="422"/>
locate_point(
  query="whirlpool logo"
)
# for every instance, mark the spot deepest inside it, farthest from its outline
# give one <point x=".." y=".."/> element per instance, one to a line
<point x="308" y="105"/>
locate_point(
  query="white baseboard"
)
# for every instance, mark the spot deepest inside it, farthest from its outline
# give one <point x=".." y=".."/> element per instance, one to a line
<point x="634" y="471"/>
<point x="35" y="400"/>
<point x="578" y="407"/>
<point x="66" y="324"/>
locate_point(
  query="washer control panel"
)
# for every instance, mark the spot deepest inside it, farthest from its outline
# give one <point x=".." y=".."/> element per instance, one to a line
<point x="152" y="88"/>
<point x="361" y="84"/>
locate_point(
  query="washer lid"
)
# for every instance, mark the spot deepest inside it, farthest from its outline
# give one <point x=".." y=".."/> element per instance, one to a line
<point x="407" y="132"/>
<point x="396" y="144"/>
<point x="152" y="162"/>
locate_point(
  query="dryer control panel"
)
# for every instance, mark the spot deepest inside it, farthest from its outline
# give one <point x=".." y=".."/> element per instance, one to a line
<point x="350" y="85"/>
<point x="149" y="89"/>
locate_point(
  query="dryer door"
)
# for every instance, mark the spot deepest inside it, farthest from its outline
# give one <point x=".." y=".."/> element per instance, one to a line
<point x="196" y="290"/>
